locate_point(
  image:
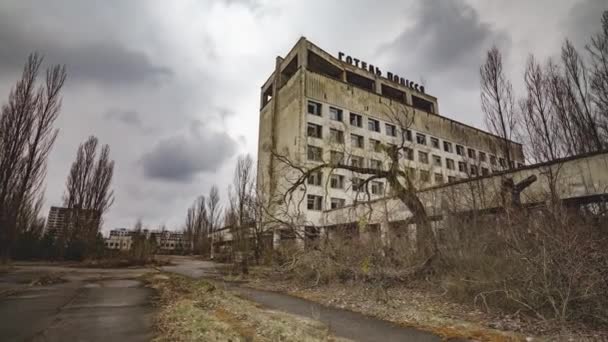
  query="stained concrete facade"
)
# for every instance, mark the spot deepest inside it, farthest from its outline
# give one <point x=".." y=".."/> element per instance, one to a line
<point x="306" y="105"/>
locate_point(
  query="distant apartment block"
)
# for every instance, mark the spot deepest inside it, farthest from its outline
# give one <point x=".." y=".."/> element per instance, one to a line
<point x="61" y="220"/>
<point x="166" y="241"/>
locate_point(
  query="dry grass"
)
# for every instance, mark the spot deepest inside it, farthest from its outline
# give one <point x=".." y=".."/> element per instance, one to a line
<point x="199" y="311"/>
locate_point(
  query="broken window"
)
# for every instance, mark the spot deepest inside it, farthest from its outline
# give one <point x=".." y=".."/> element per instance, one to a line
<point x="408" y="153"/>
<point x="421" y="103"/>
<point x="421" y="138"/>
<point x="321" y="66"/>
<point x="315" y="153"/>
<point x="336" y="182"/>
<point x="375" y="164"/>
<point x="314" y="108"/>
<point x="437" y="160"/>
<point x="485" y="171"/>
<point x="337" y="158"/>
<point x="447" y="146"/>
<point x="314" y="202"/>
<point x="335" y="114"/>
<point x="451" y="179"/>
<point x="482" y="156"/>
<point x="471" y="153"/>
<point x="435" y="143"/>
<point x="360" y="81"/>
<point x="425" y="176"/>
<point x="460" y="150"/>
<point x="356" y="161"/>
<point x="356" y="141"/>
<point x="493" y="160"/>
<point x="336" y="136"/>
<point x="438" y="178"/>
<point x="501" y="162"/>
<point x="377" y="188"/>
<point x="473" y="170"/>
<point x="373" y="125"/>
<point x="393" y="93"/>
<point x="375" y="145"/>
<point x="337" y="203"/>
<point x="462" y="167"/>
<point x="314" y="130"/>
<point x="315" y="178"/>
<point x="423" y="157"/>
<point x="407" y="135"/>
<point x="357" y="184"/>
<point x="356" y="120"/>
<point x="449" y="164"/>
<point x="391" y="130"/>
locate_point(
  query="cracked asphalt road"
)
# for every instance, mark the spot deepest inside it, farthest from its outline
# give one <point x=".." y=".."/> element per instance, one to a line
<point x="91" y="305"/>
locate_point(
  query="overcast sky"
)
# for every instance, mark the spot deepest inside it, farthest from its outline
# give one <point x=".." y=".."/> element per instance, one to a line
<point x="173" y="86"/>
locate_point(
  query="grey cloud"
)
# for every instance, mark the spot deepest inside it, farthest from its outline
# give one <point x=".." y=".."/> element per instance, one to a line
<point x="447" y="37"/>
<point x="584" y="20"/>
<point x="105" y="61"/>
<point x="180" y="158"/>
<point x="128" y="117"/>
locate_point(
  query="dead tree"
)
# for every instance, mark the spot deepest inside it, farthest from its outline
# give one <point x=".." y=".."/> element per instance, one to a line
<point x="26" y="138"/>
<point x="397" y="176"/>
<point x="497" y="101"/>
<point x="598" y="51"/>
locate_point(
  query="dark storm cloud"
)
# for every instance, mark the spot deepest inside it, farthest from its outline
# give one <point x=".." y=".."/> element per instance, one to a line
<point x="447" y="37"/>
<point x="105" y="61"/>
<point x="180" y="158"/>
<point x="128" y="117"/>
<point x="585" y="20"/>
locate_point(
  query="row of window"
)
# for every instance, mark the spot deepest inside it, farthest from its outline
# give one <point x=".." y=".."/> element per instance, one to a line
<point x="315" y="153"/>
<point x="337" y="136"/>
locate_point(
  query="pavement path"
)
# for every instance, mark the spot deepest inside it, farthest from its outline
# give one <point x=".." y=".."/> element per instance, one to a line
<point x="91" y="305"/>
<point x="342" y="323"/>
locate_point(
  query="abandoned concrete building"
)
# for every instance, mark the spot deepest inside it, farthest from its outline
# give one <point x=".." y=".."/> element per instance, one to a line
<point x="315" y="107"/>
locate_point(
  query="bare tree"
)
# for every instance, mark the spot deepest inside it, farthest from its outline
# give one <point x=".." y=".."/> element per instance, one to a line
<point x="598" y="51"/>
<point x="497" y="101"/>
<point x="88" y="188"/>
<point x="397" y="175"/>
<point x="213" y="211"/>
<point x="26" y="138"/>
<point x="197" y="226"/>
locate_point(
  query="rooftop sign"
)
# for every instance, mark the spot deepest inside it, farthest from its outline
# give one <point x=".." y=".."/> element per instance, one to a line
<point x="375" y="70"/>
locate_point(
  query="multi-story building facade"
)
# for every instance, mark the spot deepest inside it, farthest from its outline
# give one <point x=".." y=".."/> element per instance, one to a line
<point x="61" y="220"/>
<point x="316" y="107"/>
<point x="166" y="241"/>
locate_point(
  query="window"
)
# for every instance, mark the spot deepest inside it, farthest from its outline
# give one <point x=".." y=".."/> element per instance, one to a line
<point x="336" y="181"/>
<point x="315" y="153"/>
<point x="485" y="171"/>
<point x="438" y="178"/>
<point x="375" y="164"/>
<point x="336" y="136"/>
<point x="337" y="203"/>
<point x="437" y="160"/>
<point x="356" y="161"/>
<point x="460" y="150"/>
<point x="423" y="157"/>
<point x="335" y="114"/>
<point x="373" y="125"/>
<point x="410" y="172"/>
<point x="501" y="162"/>
<point x="425" y="176"/>
<point x="408" y="153"/>
<point x="407" y="135"/>
<point x="357" y="184"/>
<point x="391" y="130"/>
<point x="315" y="178"/>
<point x="336" y="158"/>
<point x="421" y="139"/>
<point x="451" y="179"/>
<point x="482" y="156"/>
<point x="471" y="153"/>
<point x="493" y="160"/>
<point x="462" y="166"/>
<point x="314" y="130"/>
<point x="375" y="145"/>
<point x="314" y="108"/>
<point x="314" y="202"/>
<point x="520" y="165"/>
<point x="356" y="141"/>
<point x="473" y="170"/>
<point x="435" y="143"/>
<point x="449" y="163"/>
<point x="377" y="188"/>
<point x="447" y="146"/>
<point x="356" y="120"/>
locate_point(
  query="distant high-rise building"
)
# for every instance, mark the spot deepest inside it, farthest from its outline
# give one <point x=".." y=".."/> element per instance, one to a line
<point x="62" y="219"/>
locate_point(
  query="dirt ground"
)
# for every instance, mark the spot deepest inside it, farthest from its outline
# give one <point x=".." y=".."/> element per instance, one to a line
<point x="423" y="307"/>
